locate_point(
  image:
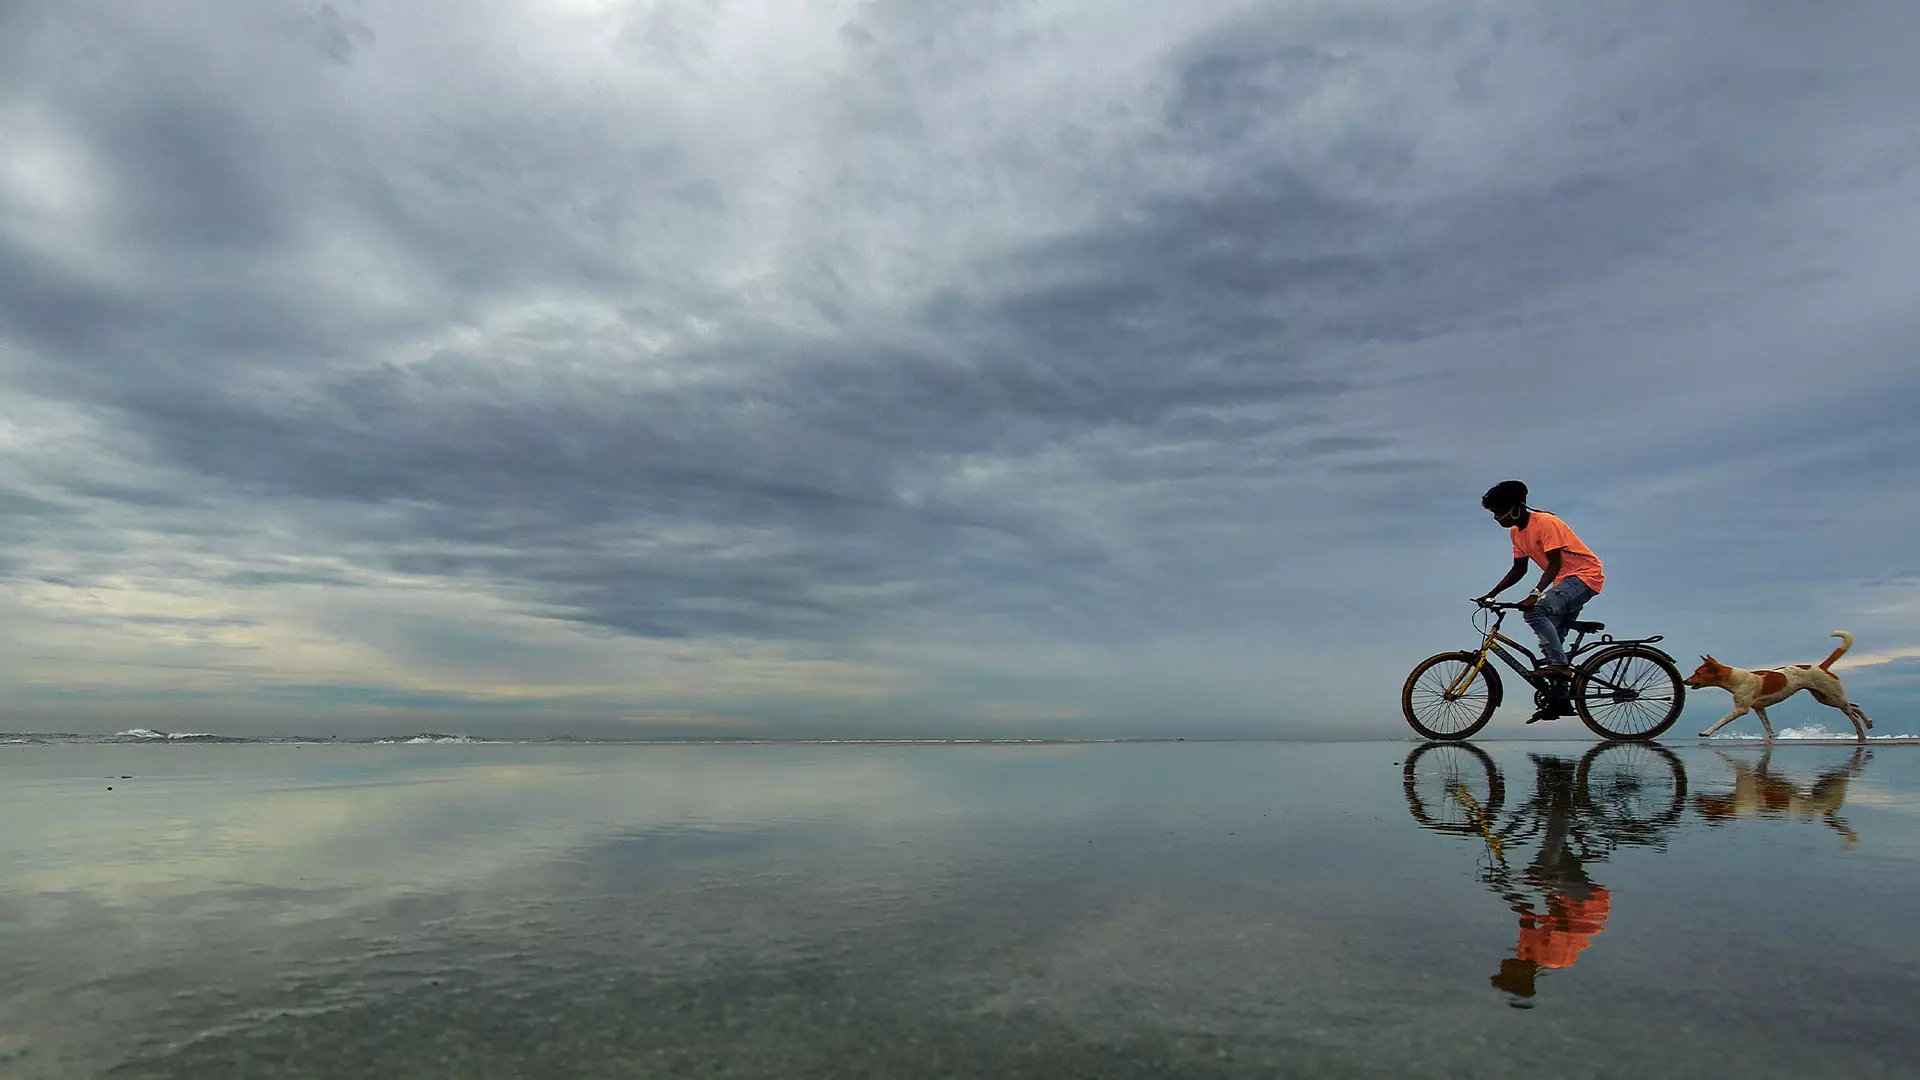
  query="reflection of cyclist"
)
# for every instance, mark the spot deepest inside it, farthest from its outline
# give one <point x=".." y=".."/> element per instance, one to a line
<point x="1576" y="905"/>
<point x="1570" y="576"/>
<point x="1619" y="795"/>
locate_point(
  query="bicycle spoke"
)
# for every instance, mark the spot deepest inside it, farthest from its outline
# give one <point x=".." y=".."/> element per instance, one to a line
<point x="1636" y="787"/>
<point x="1452" y="787"/>
<point x="1629" y="695"/>
<point x="1444" y="712"/>
<point x="1651" y="673"/>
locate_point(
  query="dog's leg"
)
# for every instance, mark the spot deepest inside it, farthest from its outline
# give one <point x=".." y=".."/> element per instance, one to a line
<point x="1839" y="825"/>
<point x="1765" y="724"/>
<point x="1738" y="712"/>
<point x="1852" y="709"/>
<point x="1839" y="701"/>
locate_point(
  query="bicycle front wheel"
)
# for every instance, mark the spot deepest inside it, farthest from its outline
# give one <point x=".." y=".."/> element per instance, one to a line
<point x="1628" y="692"/>
<point x="1452" y="787"/>
<point x="1446" y="699"/>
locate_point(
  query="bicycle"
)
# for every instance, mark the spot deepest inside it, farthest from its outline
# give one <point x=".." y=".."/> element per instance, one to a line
<point x="1625" y="689"/>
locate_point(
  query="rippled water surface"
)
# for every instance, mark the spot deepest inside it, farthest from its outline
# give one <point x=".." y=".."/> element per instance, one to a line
<point x="1207" y="910"/>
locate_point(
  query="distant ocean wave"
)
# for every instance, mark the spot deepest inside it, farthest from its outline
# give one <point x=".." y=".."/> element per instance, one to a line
<point x="133" y="735"/>
<point x="1817" y="732"/>
<point x="154" y="737"/>
<point x="151" y="736"/>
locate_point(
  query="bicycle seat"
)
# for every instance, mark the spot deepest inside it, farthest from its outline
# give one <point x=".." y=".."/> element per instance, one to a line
<point x="1587" y="627"/>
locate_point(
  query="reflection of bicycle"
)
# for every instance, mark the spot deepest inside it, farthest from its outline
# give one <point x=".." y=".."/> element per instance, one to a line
<point x="1622" y="689"/>
<point x="1619" y="794"/>
<point x="1632" y="792"/>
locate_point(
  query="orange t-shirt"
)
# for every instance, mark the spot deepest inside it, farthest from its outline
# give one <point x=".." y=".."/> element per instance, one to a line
<point x="1543" y="533"/>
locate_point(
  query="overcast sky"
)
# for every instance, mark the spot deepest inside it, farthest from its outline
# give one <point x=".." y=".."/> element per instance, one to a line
<point x="936" y="366"/>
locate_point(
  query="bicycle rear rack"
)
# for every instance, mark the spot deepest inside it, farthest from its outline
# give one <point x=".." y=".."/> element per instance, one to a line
<point x="1580" y="642"/>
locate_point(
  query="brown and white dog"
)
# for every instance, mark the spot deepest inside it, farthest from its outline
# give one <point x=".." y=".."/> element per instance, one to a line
<point x="1755" y="690"/>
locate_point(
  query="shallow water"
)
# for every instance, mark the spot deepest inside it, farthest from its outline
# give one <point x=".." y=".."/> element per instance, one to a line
<point x="1208" y="910"/>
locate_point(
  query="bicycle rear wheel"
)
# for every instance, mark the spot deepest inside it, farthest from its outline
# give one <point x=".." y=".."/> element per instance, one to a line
<point x="1637" y="790"/>
<point x="1438" y="714"/>
<point x="1628" y="692"/>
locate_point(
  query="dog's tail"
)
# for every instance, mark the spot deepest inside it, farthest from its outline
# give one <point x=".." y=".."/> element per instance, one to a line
<point x="1846" y="642"/>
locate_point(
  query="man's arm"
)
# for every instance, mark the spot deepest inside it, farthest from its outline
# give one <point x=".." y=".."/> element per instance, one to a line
<point x="1518" y="571"/>
<point x="1546" y="577"/>
<point x="1552" y="572"/>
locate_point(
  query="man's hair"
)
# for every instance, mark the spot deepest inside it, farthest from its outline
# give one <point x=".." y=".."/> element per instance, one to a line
<point x="1505" y="495"/>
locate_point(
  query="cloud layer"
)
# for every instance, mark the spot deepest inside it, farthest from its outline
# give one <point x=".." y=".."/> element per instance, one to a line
<point x="927" y="367"/>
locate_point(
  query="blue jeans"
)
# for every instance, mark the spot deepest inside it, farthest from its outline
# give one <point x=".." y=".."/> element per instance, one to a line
<point x="1551" y="614"/>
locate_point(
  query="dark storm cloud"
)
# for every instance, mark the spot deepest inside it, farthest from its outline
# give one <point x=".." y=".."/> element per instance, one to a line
<point x="1116" y="332"/>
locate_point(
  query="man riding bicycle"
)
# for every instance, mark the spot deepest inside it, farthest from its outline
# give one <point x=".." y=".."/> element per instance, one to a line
<point x="1570" y="576"/>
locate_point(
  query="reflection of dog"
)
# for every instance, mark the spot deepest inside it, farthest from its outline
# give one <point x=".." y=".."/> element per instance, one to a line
<point x="1758" y="792"/>
<point x="1755" y="690"/>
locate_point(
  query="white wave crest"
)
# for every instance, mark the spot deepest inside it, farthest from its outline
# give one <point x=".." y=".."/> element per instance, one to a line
<point x="1819" y="732"/>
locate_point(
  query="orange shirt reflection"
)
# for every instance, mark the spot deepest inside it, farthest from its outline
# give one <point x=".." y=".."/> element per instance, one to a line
<point x="1554" y="940"/>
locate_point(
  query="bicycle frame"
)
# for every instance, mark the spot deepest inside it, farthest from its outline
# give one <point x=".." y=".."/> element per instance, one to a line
<point x="1495" y="642"/>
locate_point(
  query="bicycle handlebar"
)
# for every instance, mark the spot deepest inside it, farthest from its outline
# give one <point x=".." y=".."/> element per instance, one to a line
<point x="1495" y="605"/>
